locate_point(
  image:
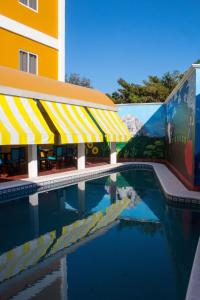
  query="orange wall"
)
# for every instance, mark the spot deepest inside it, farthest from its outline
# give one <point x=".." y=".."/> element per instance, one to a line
<point x="9" y="53"/>
<point x="45" y="20"/>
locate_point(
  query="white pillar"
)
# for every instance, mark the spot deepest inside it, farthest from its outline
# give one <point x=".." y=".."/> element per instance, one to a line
<point x="113" y="153"/>
<point x="34" y="214"/>
<point x="113" y="187"/>
<point x="63" y="273"/>
<point x="81" y="156"/>
<point x="32" y="161"/>
<point x="81" y="198"/>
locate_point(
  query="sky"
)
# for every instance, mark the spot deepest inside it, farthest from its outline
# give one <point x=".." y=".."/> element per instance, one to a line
<point x="130" y="39"/>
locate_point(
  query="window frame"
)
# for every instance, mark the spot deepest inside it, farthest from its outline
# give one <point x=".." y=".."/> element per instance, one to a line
<point x="28" y="60"/>
<point x="27" y="5"/>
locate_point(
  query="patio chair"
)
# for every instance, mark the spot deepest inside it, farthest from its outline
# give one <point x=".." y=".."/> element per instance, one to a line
<point x="1" y="162"/>
<point x="43" y="159"/>
<point x="17" y="158"/>
<point x="57" y="156"/>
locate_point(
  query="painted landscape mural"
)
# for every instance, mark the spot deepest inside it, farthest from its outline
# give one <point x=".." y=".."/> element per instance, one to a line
<point x="146" y="122"/>
<point x="163" y="131"/>
<point x="197" y="130"/>
<point x="180" y="128"/>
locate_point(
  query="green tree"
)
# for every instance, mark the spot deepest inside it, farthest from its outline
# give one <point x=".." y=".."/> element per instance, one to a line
<point x="154" y="89"/>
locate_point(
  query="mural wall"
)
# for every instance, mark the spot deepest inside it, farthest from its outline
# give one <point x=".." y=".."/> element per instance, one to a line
<point x="197" y="130"/>
<point x="146" y="122"/>
<point x="180" y="128"/>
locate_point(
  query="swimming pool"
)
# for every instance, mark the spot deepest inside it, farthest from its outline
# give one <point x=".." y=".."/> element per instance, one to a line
<point x="114" y="237"/>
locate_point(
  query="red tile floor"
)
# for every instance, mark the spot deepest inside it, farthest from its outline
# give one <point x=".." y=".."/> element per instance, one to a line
<point x="90" y="162"/>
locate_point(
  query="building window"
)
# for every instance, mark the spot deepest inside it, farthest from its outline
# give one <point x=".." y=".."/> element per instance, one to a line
<point x="27" y="62"/>
<point x="33" y="4"/>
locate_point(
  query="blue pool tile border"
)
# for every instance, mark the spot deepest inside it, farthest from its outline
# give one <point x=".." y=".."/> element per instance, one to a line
<point x="26" y="189"/>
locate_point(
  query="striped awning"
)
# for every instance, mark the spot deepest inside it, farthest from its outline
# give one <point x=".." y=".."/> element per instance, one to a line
<point x="111" y="124"/>
<point x="72" y="122"/>
<point x="22" y="123"/>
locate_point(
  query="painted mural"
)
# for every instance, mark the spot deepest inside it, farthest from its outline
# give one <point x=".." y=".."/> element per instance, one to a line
<point x="180" y="128"/>
<point x="146" y="122"/>
<point x="98" y="149"/>
<point x="197" y="129"/>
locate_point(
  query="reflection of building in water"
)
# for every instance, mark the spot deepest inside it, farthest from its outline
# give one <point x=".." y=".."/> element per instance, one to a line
<point x="28" y="257"/>
<point x="42" y="282"/>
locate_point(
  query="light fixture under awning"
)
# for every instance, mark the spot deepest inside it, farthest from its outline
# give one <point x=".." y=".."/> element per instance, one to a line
<point x="22" y="123"/>
<point x="72" y="122"/>
<point x="111" y="124"/>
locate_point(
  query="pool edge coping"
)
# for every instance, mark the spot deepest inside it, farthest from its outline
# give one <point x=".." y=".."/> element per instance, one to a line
<point x="172" y="187"/>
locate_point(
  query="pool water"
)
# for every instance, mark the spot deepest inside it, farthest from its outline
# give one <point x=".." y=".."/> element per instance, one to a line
<point x="114" y="237"/>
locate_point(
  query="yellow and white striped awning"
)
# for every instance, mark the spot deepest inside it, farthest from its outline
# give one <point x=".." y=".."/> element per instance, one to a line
<point x="22" y="123"/>
<point x="72" y="122"/>
<point x="111" y="124"/>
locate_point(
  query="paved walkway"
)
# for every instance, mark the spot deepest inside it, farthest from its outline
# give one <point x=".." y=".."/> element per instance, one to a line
<point x="193" y="292"/>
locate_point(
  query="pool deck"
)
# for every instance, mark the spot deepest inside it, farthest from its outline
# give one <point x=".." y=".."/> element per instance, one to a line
<point x="171" y="185"/>
<point x="193" y="292"/>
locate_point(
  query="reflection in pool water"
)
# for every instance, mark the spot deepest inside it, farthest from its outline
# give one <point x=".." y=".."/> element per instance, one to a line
<point x="60" y="244"/>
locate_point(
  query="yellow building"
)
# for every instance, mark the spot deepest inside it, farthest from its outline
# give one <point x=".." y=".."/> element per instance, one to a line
<point x="32" y="35"/>
<point x="44" y="122"/>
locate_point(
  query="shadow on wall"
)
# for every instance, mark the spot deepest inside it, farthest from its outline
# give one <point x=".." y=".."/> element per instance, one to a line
<point x="146" y="122"/>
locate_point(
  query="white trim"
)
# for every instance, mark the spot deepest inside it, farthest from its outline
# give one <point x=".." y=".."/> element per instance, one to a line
<point x="36" y="95"/>
<point x="185" y="77"/>
<point x="28" y="32"/>
<point x="27" y="6"/>
<point x="61" y="40"/>
<point x="140" y="103"/>
<point x="28" y="59"/>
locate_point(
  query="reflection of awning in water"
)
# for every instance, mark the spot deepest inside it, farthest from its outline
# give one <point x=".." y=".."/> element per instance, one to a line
<point x="112" y="212"/>
<point x="141" y="212"/>
<point x="24" y="256"/>
<point x="74" y="232"/>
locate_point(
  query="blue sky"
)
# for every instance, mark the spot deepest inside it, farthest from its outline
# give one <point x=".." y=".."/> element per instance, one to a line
<point x="109" y="39"/>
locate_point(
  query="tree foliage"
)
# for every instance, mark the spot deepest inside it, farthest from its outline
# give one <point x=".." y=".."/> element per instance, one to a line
<point x="76" y="79"/>
<point x="154" y="89"/>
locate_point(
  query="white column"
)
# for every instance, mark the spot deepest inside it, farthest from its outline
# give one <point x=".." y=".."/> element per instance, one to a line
<point x="63" y="273"/>
<point x="113" y="153"/>
<point x="81" y="156"/>
<point x="32" y="161"/>
<point x="61" y="40"/>
<point x="34" y="214"/>
<point x="113" y="187"/>
<point x="81" y="198"/>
